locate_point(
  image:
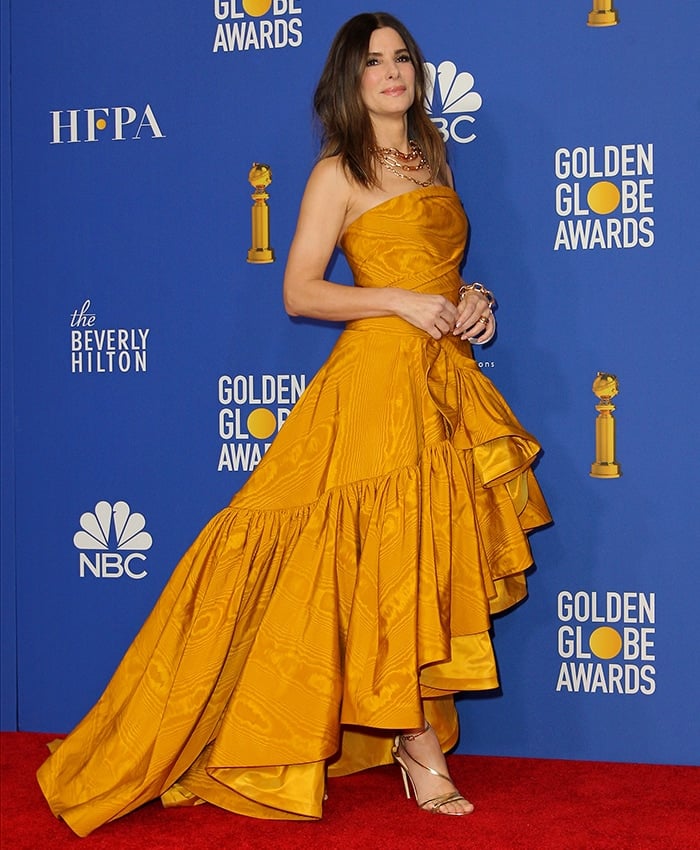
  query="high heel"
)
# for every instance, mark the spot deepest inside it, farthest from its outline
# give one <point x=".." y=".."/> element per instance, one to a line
<point x="434" y="804"/>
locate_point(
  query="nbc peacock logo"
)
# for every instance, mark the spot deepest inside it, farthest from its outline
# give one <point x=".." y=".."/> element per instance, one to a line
<point x="450" y="100"/>
<point x="117" y="539"/>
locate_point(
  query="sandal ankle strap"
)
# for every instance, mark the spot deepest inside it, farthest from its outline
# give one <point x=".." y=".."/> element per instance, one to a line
<point x="416" y="735"/>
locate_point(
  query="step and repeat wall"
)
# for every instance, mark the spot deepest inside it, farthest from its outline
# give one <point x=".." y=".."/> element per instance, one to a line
<point x="158" y="156"/>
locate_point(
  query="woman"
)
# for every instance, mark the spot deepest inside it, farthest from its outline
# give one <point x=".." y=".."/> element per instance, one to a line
<point x="345" y="593"/>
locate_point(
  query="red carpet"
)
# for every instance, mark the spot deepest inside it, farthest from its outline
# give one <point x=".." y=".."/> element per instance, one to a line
<point x="521" y="804"/>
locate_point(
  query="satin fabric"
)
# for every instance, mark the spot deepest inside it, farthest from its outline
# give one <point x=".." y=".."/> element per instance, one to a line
<point x="348" y="584"/>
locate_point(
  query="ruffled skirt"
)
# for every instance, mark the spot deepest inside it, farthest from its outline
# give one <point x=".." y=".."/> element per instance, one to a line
<point x="347" y="588"/>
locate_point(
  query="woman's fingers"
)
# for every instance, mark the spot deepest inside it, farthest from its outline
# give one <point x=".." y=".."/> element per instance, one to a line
<point x="431" y="313"/>
<point x="470" y="310"/>
<point x="482" y="331"/>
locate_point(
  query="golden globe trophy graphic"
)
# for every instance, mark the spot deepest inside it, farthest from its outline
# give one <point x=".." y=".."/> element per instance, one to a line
<point x="605" y="387"/>
<point x="260" y="177"/>
<point x="602" y="14"/>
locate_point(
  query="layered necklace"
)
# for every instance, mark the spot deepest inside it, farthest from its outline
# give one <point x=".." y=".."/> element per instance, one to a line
<point x="398" y="162"/>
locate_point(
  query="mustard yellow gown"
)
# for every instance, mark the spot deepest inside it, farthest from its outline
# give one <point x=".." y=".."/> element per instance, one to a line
<point x="348" y="584"/>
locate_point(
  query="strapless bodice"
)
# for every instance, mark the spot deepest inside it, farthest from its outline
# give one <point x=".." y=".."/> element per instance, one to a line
<point x="412" y="241"/>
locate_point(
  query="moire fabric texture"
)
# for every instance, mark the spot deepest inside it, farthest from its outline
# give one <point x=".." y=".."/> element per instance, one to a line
<point x="348" y="583"/>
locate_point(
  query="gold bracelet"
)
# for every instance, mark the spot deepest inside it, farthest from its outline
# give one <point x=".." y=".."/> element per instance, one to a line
<point x="481" y="289"/>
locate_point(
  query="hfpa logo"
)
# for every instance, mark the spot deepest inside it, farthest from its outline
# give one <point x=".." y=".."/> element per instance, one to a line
<point x="86" y="125"/>
<point x="112" y="527"/>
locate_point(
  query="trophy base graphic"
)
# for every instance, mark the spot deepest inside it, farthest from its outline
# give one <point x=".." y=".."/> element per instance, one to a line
<point x="261" y="255"/>
<point x="602" y="19"/>
<point x="603" y="14"/>
<point x="605" y="470"/>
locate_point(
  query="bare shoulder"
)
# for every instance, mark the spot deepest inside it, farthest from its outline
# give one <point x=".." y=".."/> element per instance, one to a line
<point x="328" y="179"/>
<point x="321" y="215"/>
<point x="326" y="200"/>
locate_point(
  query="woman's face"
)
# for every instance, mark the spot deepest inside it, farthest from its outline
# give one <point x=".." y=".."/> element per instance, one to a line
<point x="388" y="81"/>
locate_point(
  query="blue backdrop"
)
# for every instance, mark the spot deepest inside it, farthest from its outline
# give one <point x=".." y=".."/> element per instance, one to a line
<point x="146" y="363"/>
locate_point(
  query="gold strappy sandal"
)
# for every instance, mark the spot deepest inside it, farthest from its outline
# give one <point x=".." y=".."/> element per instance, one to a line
<point x="435" y="804"/>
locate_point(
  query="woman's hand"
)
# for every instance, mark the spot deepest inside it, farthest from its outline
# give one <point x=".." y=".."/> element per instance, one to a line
<point x="475" y="321"/>
<point x="431" y="313"/>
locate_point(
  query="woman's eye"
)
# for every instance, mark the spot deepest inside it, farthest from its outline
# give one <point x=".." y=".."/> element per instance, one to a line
<point x="404" y="58"/>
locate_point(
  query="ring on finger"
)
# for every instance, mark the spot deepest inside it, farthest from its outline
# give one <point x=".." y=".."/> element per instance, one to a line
<point x="485" y="319"/>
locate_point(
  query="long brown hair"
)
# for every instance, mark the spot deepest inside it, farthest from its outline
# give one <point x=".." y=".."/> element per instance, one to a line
<point x="346" y="126"/>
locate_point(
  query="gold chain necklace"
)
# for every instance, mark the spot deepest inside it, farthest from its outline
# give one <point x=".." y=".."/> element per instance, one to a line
<point x="397" y="162"/>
